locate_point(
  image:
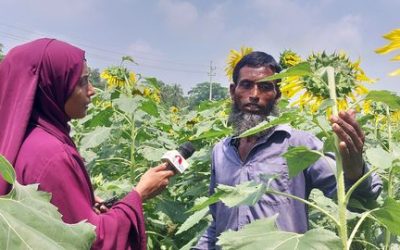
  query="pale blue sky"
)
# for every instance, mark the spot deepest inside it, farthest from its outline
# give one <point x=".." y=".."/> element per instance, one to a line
<point x="175" y="40"/>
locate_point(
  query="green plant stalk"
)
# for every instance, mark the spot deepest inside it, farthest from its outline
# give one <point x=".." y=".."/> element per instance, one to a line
<point x="358" y="182"/>
<point x="341" y="193"/>
<point x="133" y="139"/>
<point x="359" y="222"/>
<point x="390" y="178"/>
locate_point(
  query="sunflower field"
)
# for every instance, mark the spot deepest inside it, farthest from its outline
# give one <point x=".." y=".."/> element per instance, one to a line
<point x="128" y="129"/>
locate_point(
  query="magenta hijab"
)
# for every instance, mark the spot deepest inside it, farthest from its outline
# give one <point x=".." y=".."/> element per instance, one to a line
<point x="36" y="79"/>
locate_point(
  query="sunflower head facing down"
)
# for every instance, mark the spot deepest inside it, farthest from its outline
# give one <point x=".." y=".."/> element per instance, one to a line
<point x="313" y="89"/>
<point x="233" y="58"/>
<point x="118" y="77"/>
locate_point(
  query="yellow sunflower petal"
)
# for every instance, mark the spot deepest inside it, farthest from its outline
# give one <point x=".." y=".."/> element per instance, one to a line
<point x="388" y="48"/>
<point x="393" y="35"/>
<point x="396" y="58"/>
<point x="361" y="90"/>
<point x="233" y="58"/>
<point x="132" y="77"/>
<point x="395" y="73"/>
<point x="342" y="104"/>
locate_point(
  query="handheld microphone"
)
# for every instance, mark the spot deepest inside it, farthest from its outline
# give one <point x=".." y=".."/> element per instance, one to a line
<point x="176" y="159"/>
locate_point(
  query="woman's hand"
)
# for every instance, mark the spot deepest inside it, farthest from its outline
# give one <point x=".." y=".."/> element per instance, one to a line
<point x="153" y="181"/>
<point x="98" y="206"/>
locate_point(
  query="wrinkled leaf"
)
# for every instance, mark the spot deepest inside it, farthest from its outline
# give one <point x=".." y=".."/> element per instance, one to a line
<point x="389" y="215"/>
<point x="378" y="157"/>
<point x="193" y="220"/>
<point x="29" y="221"/>
<point x="95" y="138"/>
<point x="151" y="153"/>
<point x="300" y="158"/>
<point x="173" y="209"/>
<point x="247" y="193"/>
<point x="211" y="200"/>
<point x="263" y="234"/>
<point x="150" y="108"/>
<point x="102" y="118"/>
<point x="387" y="97"/>
<point x="128" y="104"/>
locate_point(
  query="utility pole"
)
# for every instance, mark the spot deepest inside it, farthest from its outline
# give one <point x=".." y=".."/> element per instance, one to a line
<point x="211" y="73"/>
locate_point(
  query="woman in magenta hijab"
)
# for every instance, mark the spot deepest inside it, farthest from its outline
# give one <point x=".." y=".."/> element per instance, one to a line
<point x="44" y="84"/>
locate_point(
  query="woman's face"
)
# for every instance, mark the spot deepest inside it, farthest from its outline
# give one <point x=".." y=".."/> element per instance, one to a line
<point x="77" y="104"/>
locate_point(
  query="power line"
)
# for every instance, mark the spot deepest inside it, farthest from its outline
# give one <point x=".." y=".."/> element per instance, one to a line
<point x="145" y="58"/>
<point x="106" y="58"/>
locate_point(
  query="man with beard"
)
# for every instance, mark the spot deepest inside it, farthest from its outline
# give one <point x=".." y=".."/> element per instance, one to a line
<point x="238" y="160"/>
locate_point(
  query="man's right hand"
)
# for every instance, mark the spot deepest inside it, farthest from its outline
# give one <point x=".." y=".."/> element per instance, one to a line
<point x="153" y="181"/>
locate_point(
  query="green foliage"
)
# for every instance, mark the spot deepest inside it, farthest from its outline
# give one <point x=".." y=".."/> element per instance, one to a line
<point x="6" y="170"/>
<point x="1" y="52"/>
<point x="29" y="221"/>
<point x="384" y="96"/>
<point x="300" y="158"/>
<point x="172" y="95"/>
<point x="201" y="92"/>
<point x="127" y="131"/>
<point x="263" y="234"/>
<point x="94" y="77"/>
<point x="301" y="69"/>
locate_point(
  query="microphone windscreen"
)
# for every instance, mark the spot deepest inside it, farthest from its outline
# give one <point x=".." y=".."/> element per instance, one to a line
<point x="186" y="150"/>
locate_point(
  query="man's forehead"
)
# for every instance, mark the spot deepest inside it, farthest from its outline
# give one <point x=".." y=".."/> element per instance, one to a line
<point x="252" y="73"/>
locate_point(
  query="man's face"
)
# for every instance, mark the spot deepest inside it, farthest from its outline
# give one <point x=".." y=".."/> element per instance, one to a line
<point x="254" y="97"/>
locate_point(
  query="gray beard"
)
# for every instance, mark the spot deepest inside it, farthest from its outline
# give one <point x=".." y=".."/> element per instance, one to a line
<point x="242" y="121"/>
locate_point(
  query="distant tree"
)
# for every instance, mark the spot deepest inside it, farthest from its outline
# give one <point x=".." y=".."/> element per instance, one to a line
<point x="172" y="95"/>
<point x="1" y="52"/>
<point x="201" y="92"/>
<point x="94" y="77"/>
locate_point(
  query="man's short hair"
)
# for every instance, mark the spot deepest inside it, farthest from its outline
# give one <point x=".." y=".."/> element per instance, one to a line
<point x="254" y="60"/>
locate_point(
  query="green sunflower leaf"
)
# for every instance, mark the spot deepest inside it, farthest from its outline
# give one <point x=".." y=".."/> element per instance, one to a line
<point x="300" y="158"/>
<point x="263" y="234"/>
<point x="389" y="215"/>
<point x="301" y="69"/>
<point x="387" y="97"/>
<point x="29" y="221"/>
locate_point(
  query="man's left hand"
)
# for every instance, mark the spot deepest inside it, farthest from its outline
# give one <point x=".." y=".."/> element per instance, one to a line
<point x="351" y="143"/>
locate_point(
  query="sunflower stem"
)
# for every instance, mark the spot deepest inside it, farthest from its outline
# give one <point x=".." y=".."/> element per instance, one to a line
<point x="133" y="139"/>
<point x="341" y="194"/>
<point x="390" y="178"/>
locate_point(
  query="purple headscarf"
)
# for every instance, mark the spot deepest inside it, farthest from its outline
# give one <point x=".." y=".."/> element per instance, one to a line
<point x="36" y="79"/>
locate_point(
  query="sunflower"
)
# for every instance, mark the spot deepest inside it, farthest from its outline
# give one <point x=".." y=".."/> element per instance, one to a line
<point x="118" y="77"/>
<point x="313" y="89"/>
<point x="288" y="58"/>
<point x="152" y="93"/>
<point x="394" y="44"/>
<point x="173" y="109"/>
<point x="379" y="111"/>
<point x="233" y="58"/>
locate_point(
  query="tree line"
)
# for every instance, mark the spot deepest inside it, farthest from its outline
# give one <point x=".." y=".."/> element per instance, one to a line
<point x="172" y="95"/>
